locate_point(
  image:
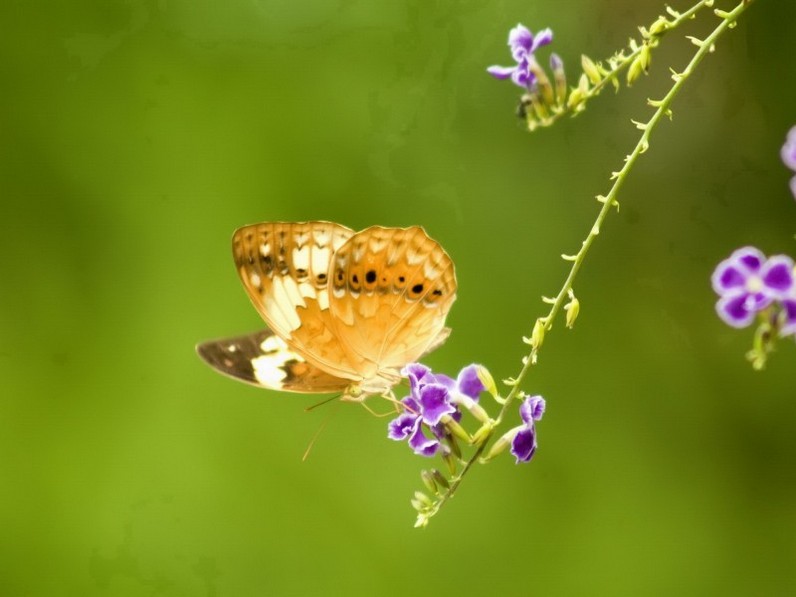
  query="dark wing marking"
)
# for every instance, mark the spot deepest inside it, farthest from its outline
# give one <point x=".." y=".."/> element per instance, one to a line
<point x="264" y="360"/>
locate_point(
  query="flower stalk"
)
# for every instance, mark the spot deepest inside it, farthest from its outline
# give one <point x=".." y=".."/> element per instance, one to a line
<point x="543" y="324"/>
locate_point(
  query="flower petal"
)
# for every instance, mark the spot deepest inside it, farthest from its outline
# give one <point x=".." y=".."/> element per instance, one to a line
<point x="729" y="276"/>
<point x="777" y="275"/>
<point x="468" y="382"/>
<point x="402" y="426"/>
<point x="750" y="257"/>
<point x="501" y="72"/>
<point x="523" y="446"/>
<point x="734" y="310"/>
<point x="789" y="309"/>
<point x="542" y="38"/>
<point x="532" y="409"/>
<point x="415" y="372"/>
<point x="789" y="150"/>
<point x="522" y="76"/>
<point x="520" y="41"/>
<point x="421" y="445"/>
<point x="444" y="380"/>
<point x="435" y="403"/>
<point x="757" y="301"/>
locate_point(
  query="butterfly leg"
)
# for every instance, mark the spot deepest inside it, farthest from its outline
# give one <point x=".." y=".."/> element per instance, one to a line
<point x="397" y="407"/>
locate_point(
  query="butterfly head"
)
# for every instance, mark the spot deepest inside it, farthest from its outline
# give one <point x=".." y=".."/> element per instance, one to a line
<point x="380" y="385"/>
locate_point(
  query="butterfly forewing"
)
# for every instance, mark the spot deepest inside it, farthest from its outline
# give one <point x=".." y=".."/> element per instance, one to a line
<point x="264" y="360"/>
<point x="391" y="289"/>
<point x="284" y="268"/>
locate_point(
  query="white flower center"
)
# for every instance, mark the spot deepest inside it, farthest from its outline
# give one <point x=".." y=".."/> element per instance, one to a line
<point x="754" y="284"/>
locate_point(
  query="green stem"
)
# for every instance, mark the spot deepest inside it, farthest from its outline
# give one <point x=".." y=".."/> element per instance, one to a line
<point x="628" y="60"/>
<point x="728" y="21"/>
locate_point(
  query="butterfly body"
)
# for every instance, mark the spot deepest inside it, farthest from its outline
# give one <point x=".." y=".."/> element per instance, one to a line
<point x="346" y="310"/>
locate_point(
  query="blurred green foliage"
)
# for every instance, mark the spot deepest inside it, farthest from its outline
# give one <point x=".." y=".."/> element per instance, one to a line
<point x="137" y="134"/>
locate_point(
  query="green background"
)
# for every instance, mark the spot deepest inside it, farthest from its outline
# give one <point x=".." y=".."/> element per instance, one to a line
<point x="137" y="135"/>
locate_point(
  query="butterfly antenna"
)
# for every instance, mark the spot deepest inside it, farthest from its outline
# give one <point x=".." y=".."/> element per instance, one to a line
<point x="322" y="402"/>
<point x="317" y="434"/>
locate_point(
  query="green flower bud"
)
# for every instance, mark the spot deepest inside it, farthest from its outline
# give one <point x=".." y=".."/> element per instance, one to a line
<point x="503" y="442"/>
<point x="455" y="429"/>
<point x="572" y="308"/>
<point x="440" y="479"/>
<point x="428" y="481"/>
<point x="450" y="461"/>
<point x="537" y="336"/>
<point x="658" y="27"/>
<point x="486" y="378"/>
<point x="423" y="499"/>
<point x="590" y="69"/>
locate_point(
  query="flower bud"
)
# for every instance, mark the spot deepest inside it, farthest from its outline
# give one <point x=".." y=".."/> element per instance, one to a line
<point x="450" y="461"/>
<point x="537" y="336"/>
<point x="483" y="433"/>
<point x="503" y="442"/>
<point x="417" y="505"/>
<point x="423" y="498"/>
<point x="640" y="65"/>
<point x="560" y="78"/>
<point x="486" y="378"/>
<point x="590" y="69"/>
<point x="659" y="26"/>
<point x="428" y="481"/>
<point x="572" y="308"/>
<point x="440" y="479"/>
<point x="455" y="429"/>
<point x="542" y="82"/>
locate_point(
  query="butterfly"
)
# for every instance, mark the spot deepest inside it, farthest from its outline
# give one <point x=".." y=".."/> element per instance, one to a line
<point x="346" y="310"/>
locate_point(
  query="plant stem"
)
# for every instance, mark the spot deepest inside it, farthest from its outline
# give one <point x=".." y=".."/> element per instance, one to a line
<point x="728" y="21"/>
<point x="628" y="60"/>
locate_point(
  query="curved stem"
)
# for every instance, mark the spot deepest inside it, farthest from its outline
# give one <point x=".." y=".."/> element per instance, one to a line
<point x="662" y="109"/>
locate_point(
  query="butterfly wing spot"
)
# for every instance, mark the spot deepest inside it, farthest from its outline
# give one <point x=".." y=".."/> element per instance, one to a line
<point x="272" y="344"/>
<point x="301" y="258"/>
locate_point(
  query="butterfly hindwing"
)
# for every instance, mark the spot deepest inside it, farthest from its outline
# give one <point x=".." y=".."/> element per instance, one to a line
<point x="264" y="360"/>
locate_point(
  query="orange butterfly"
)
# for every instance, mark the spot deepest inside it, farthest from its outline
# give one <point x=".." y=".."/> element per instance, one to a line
<point x="346" y="310"/>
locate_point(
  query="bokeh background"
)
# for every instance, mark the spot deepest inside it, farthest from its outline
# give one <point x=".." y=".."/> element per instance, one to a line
<point x="136" y="135"/>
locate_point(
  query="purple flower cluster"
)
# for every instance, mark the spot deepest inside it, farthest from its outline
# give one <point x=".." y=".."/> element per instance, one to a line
<point x="523" y="44"/>
<point x="789" y="157"/>
<point x="747" y="283"/>
<point x="432" y="398"/>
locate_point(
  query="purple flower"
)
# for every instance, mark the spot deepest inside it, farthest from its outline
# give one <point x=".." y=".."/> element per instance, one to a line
<point x="789" y="317"/>
<point x="523" y="445"/>
<point x="789" y="156"/>
<point x="523" y="44"/>
<point x="432" y="397"/>
<point x="747" y="283"/>
<point x="428" y="403"/>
